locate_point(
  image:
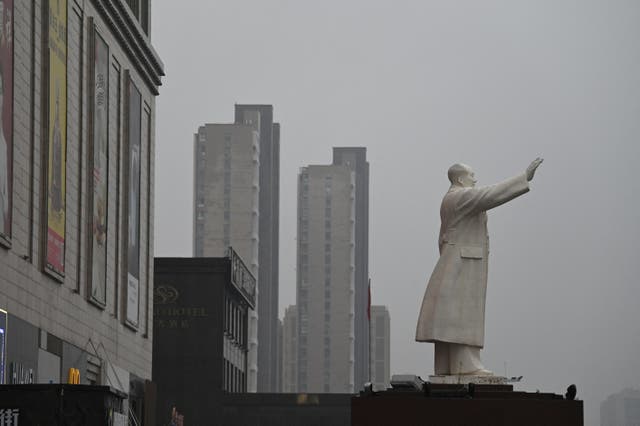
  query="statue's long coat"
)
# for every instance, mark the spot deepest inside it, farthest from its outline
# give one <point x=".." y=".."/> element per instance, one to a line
<point x="454" y="302"/>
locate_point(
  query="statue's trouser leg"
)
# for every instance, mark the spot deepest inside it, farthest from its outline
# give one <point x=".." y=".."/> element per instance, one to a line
<point x="464" y="359"/>
<point x="441" y="359"/>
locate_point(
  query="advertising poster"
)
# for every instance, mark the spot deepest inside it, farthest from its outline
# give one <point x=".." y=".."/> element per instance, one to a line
<point x="56" y="177"/>
<point x="133" y="249"/>
<point x="6" y="117"/>
<point x="100" y="148"/>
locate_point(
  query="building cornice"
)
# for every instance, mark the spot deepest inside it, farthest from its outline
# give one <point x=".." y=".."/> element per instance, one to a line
<point x="133" y="41"/>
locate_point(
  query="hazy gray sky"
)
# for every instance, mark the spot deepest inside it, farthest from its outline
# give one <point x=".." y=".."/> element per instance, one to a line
<point x="424" y="84"/>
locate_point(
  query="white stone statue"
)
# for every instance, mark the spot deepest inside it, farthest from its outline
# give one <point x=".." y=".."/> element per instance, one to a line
<point x="452" y="313"/>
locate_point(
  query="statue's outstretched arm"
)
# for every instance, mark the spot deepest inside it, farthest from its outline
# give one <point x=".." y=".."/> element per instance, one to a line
<point x="475" y="200"/>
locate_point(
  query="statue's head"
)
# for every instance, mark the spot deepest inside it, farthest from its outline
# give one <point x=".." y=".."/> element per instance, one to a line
<point x="462" y="175"/>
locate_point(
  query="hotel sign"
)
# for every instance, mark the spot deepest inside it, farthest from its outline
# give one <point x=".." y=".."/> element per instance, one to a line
<point x="242" y="278"/>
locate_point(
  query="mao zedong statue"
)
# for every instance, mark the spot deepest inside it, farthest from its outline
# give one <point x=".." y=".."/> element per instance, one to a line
<point x="452" y="312"/>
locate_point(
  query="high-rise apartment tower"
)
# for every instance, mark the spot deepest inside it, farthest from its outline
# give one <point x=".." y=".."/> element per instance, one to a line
<point x="380" y="347"/>
<point x="355" y="158"/>
<point x="332" y="347"/>
<point x="236" y="190"/>
<point x="268" y="245"/>
<point x="226" y="204"/>
<point x="290" y="350"/>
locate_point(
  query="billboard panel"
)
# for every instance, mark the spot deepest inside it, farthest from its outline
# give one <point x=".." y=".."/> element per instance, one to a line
<point x="133" y="248"/>
<point x="100" y="177"/>
<point x="57" y="138"/>
<point x="6" y="118"/>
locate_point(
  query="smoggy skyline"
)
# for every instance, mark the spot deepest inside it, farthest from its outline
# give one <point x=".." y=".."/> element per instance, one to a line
<point x="423" y="85"/>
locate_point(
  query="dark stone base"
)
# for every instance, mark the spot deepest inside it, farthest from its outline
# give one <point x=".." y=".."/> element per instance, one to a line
<point x="285" y="409"/>
<point x="58" y="404"/>
<point x="479" y="405"/>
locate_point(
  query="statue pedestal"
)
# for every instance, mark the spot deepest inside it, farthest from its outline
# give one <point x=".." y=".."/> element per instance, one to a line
<point x="458" y="404"/>
<point x="465" y="379"/>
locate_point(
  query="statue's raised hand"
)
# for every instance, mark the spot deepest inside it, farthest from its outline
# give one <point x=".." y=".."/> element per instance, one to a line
<point x="531" y="170"/>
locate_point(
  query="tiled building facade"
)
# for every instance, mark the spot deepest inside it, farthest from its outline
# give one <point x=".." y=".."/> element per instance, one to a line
<point x="76" y="246"/>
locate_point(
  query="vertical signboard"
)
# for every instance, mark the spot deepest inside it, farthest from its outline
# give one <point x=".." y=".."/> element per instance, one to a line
<point x="3" y="344"/>
<point x="6" y="118"/>
<point x="134" y="103"/>
<point x="57" y="138"/>
<point x="100" y="162"/>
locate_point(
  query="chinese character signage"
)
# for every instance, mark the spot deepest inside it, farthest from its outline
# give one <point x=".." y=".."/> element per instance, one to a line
<point x="99" y="181"/>
<point x="57" y="138"/>
<point x="9" y="416"/>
